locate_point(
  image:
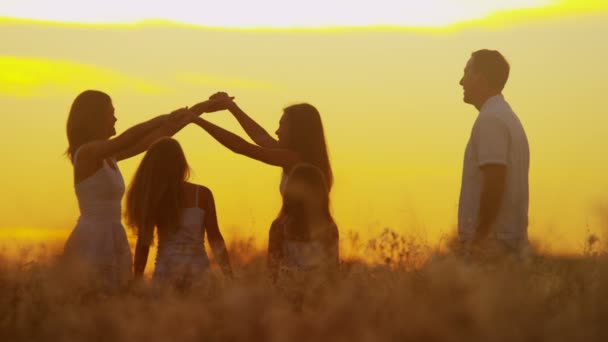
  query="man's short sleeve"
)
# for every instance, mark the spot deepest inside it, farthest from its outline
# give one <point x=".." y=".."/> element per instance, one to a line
<point x="492" y="141"/>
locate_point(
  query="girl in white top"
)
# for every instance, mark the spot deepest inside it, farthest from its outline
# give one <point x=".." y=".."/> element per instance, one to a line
<point x="304" y="237"/>
<point x="99" y="240"/>
<point x="182" y="213"/>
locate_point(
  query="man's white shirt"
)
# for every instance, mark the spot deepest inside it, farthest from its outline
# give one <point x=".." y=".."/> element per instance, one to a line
<point x="497" y="138"/>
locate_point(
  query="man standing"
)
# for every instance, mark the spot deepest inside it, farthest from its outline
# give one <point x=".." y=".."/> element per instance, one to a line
<point x="493" y="207"/>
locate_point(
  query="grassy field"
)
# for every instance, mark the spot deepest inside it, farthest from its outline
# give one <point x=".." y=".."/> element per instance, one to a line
<point x="403" y="292"/>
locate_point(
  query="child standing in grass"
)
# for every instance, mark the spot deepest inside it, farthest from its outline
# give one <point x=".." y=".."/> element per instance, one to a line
<point x="182" y="213"/>
<point x="304" y="237"/>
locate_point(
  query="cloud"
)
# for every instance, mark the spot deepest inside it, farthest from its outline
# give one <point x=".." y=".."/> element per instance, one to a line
<point x="24" y="76"/>
<point x="279" y="13"/>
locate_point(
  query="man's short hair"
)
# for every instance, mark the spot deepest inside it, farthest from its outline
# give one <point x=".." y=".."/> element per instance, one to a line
<point x="493" y="65"/>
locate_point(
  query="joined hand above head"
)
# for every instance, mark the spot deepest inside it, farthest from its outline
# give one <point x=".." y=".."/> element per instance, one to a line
<point x="219" y="101"/>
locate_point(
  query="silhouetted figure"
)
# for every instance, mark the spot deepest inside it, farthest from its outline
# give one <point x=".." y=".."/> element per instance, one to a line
<point x="99" y="239"/>
<point x="493" y="208"/>
<point x="300" y="138"/>
<point x="304" y="237"/>
<point x="182" y="213"/>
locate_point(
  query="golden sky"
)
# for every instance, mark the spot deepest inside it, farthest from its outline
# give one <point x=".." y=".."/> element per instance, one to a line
<point x="384" y="75"/>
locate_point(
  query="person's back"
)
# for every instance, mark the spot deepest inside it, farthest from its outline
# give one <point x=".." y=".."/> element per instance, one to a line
<point x="304" y="237"/>
<point x="182" y="213"/>
<point x="182" y="255"/>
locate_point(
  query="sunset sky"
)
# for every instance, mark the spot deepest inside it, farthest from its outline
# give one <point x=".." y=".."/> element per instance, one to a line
<point x="384" y="75"/>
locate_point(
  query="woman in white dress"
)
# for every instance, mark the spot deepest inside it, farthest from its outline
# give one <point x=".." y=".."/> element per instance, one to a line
<point x="301" y="138"/>
<point x="182" y="213"/>
<point x="304" y="237"/>
<point x="99" y="240"/>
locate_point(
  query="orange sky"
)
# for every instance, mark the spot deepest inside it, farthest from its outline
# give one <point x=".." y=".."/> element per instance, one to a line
<point x="389" y="98"/>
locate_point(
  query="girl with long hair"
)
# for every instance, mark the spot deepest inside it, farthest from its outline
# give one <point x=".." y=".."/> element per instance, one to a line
<point x="161" y="198"/>
<point x="304" y="236"/>
<point x="300" y="138"/>
<point x="99" y="239"/>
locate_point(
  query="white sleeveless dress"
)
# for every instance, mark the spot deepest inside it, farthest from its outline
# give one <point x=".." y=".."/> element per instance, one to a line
<point x="303" y="265"/>
<point x="99" y="239"/>
<point x="182" y="256"/>
<point x="302" y="255"/>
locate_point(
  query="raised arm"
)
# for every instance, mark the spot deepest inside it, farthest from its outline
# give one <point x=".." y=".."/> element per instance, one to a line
<point x="211" y="105"/>
<point x="168" y="129"/>
<point x="273" y="156"/>
<point x="216" y="240"/>
<point x="102" y="149"/>
<point x="256" y="132"/>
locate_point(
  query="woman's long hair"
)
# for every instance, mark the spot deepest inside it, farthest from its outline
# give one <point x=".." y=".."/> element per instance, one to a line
<point x="155" y="196"/>
<point x="306" y="186"/>
<point x="86" y="119"/>
<point x="307" y="137"/>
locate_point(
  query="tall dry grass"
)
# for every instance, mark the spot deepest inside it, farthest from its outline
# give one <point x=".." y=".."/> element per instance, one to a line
<point x="405" y="291"/>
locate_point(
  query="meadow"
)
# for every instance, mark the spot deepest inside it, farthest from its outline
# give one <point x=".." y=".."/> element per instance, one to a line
<point x="396" y="288"/>
<point x="384" y="75"/>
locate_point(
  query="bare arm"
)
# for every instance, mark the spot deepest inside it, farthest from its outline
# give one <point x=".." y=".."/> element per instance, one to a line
<point x="211" y="105"/>
<point x="256" y="132"/>
<point x="169" y="128"/>
<point x="141" y="258"/>
<point x="492" y="193"/>
<point x="92" y="152"/>
<point x="103" y="149"/>
<point x="273" y="156"/>
<point x="216" y="240"/>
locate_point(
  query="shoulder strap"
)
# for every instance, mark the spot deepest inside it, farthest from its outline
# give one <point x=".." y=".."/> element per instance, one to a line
<point x="75" y="155"/>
